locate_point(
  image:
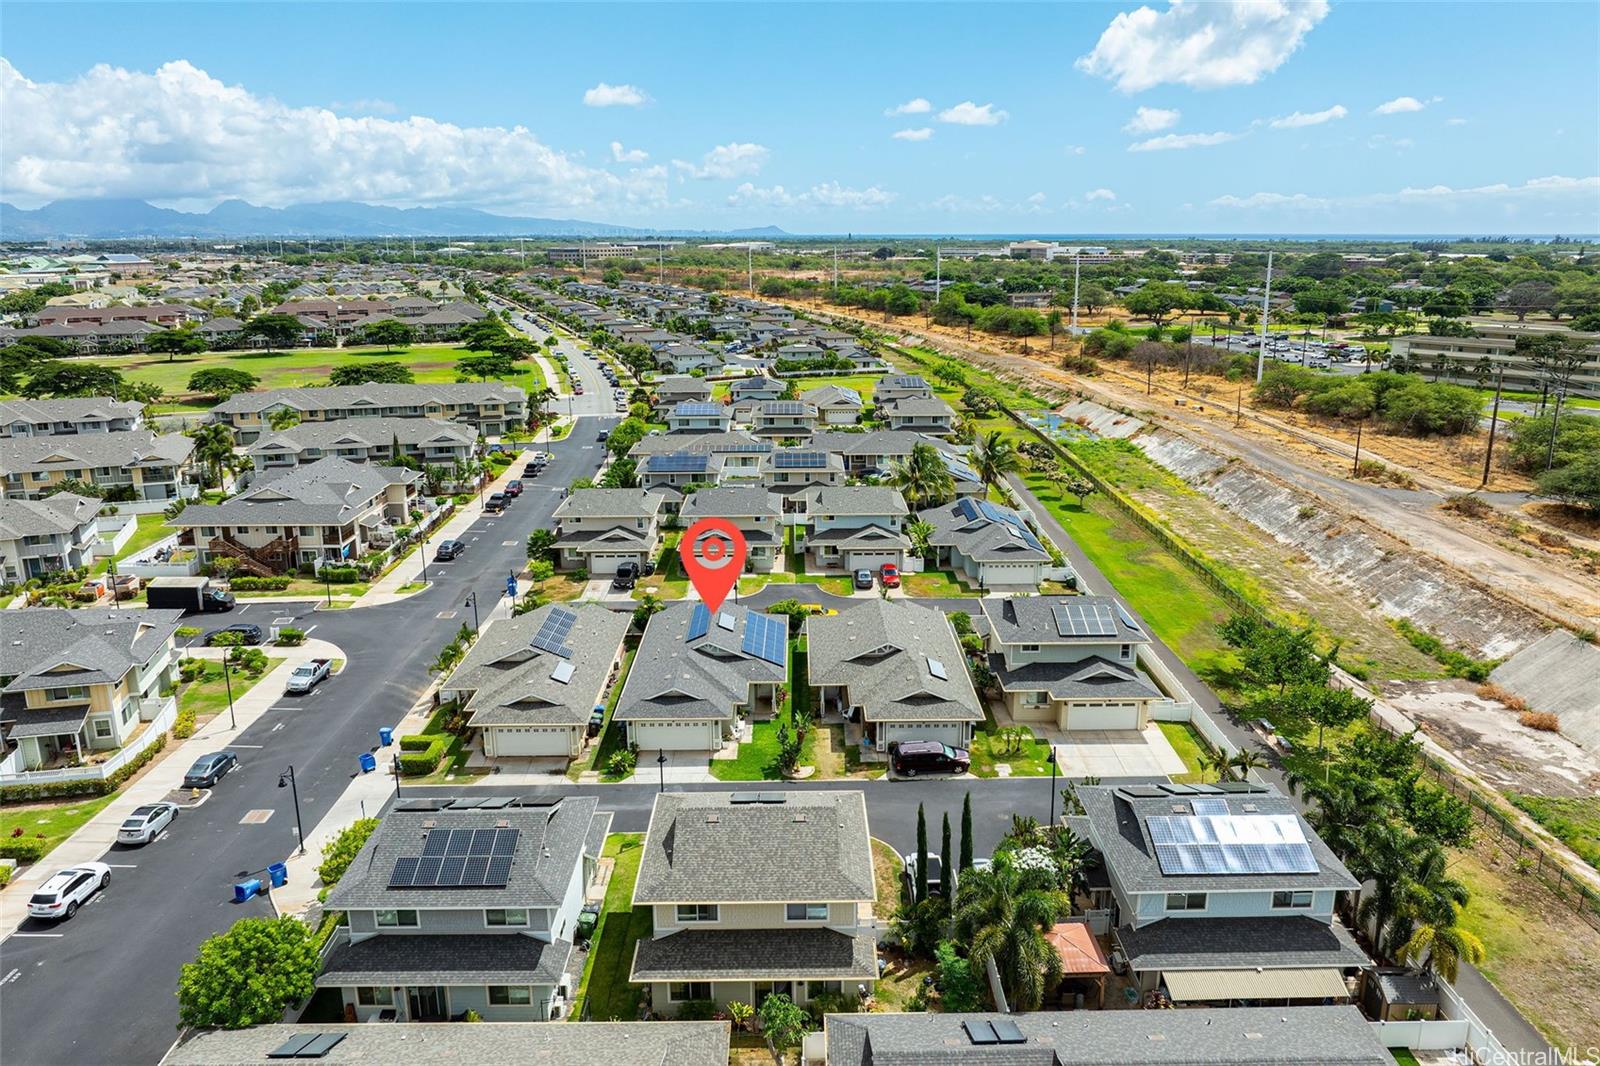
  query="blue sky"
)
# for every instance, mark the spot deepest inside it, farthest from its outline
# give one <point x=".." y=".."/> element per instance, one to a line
<point x="1294" y="116"/>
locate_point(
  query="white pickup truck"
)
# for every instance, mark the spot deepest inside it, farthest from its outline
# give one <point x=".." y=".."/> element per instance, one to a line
<point x="307" y="676"/>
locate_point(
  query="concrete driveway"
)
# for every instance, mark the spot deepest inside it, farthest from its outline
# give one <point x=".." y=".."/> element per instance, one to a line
<point x="1116" y="753"/>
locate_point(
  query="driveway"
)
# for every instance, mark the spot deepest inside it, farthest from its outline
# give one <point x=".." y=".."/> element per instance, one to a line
<point x="1116" y="753"/>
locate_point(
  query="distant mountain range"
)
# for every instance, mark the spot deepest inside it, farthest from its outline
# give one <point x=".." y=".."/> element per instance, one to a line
<point x="111" y="219"/>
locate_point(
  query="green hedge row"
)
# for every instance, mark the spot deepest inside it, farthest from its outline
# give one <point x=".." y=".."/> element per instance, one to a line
<point x="415" y="762"/>
<point x="23" y="849"/>
<point x="341" y="575"/>
<point x="93" y="786"/>
<point x="258" y="584"/>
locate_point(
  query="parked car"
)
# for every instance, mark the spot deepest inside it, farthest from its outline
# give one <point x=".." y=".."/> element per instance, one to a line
<point x="251" y="633"/>
<point x="935" y="871"/>
<point x="597" y="719"/>
<point x="513" y="488"/>
<point x="912" y="757"/>
<point x="890" y="574"/>
<point x="62" y="895"/>
<point x="209" y="769"/>
<point x="603" y="436"/>
<point x="308" y="676"/>
<point x="448" y="550"/>
<point x="495" y="503"/>
<point x="626" y="575"/>
<point x="145" y="823"/>
<point x="863" y="579"/>
<point x="532" y="471"/>
<point x="538" y="458"/>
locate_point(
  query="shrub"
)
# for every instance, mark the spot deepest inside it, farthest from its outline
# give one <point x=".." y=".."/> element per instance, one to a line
<point x="191" y="670"/>
<point x="183" y="726"/>
<point x="251" y="583"/>
<point x="1467" y="504"/>
<point x="85" y="787"/>
<point x="622" y="763"/>
<point x="249" y="975"/>
<point x="1512" y="701"/>
<point x="342" y="849"/>
<point x="5" y="876"/>
<point x="541" y="570"/>
<point x="419" y="763"/>
<point x="697" y="1010"/>
<point x="290" y="637"/>
<point x="23" y="849"/>
<point x="418" y="741"/>
<point x="341" y="575"/>
<point x="958" y="983"/>
<point x="251" y="660"/>
<point x="1543" y="721"/>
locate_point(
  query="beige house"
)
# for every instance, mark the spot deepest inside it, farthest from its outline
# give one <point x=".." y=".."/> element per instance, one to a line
<point x="134" y="465"/>
<point x="491" y="407"/>
<point x="600" y="529"/>
<point x="69" y="417"/>
<point x="755" y="512"/>
<point x="430" y="441"/>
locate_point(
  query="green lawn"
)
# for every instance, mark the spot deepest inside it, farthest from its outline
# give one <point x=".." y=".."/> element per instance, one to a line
<point x="151" y="528"/>
<point x="1574" y="820"/>
<point x="935" y="583"/>
<point x="1187" y="743"/>
<point x="210" y="694"/>
<point x="610" y="739"/>
<point x="758" y="759"/>
<point x="55" y="822"/>
<point x="990" y="750"/>
<point x="1403" y="1057"/>
<point x="604" y="988"/>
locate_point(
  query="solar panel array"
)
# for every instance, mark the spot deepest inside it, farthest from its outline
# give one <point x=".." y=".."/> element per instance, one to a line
<point x="751" y="448"/>
<point x="306" y="1046"/>
<point x="765" y="637"/>
<point x="783" y="407"/>
<point x="799" y="460"/>
<point x="699" y="622"/>
<point x="973" y="509"/>
<point x="1212" y="807"/>
<point x="698" y="410"/>
<point x="553" y="633"/>
<point x="1085" y="620"/>
<point x="1230" y="844"/>
<point x="459" y="858"/>
<point x="676" y="463"/>
<point x="1000" y="1031"/>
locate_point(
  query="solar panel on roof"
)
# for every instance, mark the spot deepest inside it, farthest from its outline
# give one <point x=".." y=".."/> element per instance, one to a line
<point x="981" y="1033"/>
<point x="437" y="842"/>
<point x="1212" y="806"/>
<point x="427" y="872"/>
<point x="799" y="460"/>
<point x="675" y="463"/>
<point x="460" y="843"/>
<point x="765" y="637"/>
<point x="1084" y="620"/>
<point x="562" y="673"/>
<point x="553" y="632"/>
<point x="1230" y="844"/>
<point x="450" y="870"/>
<point x="482" y="841"/>
<point x="495" y="803"/>
<point x="725" y="620"/>
<point x="699" y="622"/>
<point x="936" y="668"/>
<point x="498" y="873"/>
<point x="783" y="407"/>
<point x="745" y="797"/>
<point x="1007" y="1031"/>
<point x="1127" y="619"/>
<point x="505" y="842"/>
<point x="291" y="1047"/>
<point x="403" y="873"/>
<point x="472" y="873"/>
<point x="319" y="1045"/>
<point x="697" y="409"/>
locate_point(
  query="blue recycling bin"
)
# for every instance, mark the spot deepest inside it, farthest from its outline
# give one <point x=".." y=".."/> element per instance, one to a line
<point x="385" y="735"/>
<point x="244" y="891"/>
<point x="279" y="874"/>
<point x="369" y="762"/>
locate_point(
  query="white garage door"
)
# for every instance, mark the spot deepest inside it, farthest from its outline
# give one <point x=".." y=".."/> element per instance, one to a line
<point x="604" y="563"/>
<point x="1103" y="716"/>
<point x="871" y="560"/>
<point x="676" y="736"/>
<point x="532" y="740"/>
<point x="953" y="734"/>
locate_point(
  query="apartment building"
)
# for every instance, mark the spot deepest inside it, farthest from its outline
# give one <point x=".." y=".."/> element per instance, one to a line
<point x="1496" y="342"/>
<point x="430" y="441"/>
<point x="134" y="465"/>
<point x="492" y="407"/>
<point x="39" y="537"/>
<point x="69" y="417"/>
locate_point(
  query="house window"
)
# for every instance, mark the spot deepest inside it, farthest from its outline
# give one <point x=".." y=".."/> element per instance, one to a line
<point x="1126" y="651"/>
<point x="1035" y="699"/>
<point x="375" y="997"/>
<point x="823" y="988"/>
<point x="1186" y="901"/>
<point x="697" y="912"/>
<point x="517" y="917"/>
<point x="102" y="728"/>
<point x="763" y="989"/>
<point x="684" y="991"/>
<point x="61" y="695"/>
<point x="1291" y="900"/>
<point x="396" y="919"/>
<point x="127" y="711"/>
<point x="510" y="995"/>
<point x="1030" y="647"/>
<point x="806" y="912"/>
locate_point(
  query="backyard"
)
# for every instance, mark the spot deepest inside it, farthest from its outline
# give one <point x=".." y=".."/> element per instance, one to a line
<point x="604" y="992"/>
<point x="609" y="742"/>
<point x="54" y="822"/>
<point x="1189" y="747"/>
<point x="152" y="528"/>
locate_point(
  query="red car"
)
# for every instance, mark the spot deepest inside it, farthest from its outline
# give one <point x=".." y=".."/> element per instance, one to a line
<point x="513" y="488"/>
<point x="890" y="575"/>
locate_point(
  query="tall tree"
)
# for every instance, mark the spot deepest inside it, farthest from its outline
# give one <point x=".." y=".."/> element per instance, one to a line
<point x="276" y="330"/>
<point x="994" y="456"/>
<point x="966" y="832"/>
<point x="922" y="855"/>
<point x="221" y="382"/>
<point x="391" y="333"/>
<point x="176" y="342"/>
<point x="947" y="873"/>
<point x="57" y="378"/>
<point x="1004" y="916"/>
<point x="249" y="975"/>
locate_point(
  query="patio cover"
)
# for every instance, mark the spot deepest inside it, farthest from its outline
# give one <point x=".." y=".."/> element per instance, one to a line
<point x="1080" y="952"/>
<point x="59" y="722"/>
<point x="1188" y="986"/>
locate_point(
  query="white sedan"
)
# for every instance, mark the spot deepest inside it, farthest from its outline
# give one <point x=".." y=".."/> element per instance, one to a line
<point x="146" y="823"/>
<point x="62" y="895"/>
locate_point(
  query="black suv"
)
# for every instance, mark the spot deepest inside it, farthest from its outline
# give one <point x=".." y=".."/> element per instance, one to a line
<point x="626" y="575"/>
<point x="448" y="550"/>
<point x="912" y="757"/>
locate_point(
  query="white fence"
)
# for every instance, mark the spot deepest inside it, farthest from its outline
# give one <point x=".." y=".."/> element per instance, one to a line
<point x="100" y="771"/>
<point x="1423" y="1036"/>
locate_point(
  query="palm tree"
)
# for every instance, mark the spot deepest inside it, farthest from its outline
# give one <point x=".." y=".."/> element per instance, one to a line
<point x="1441" y="946"/>
<point x="213" y="449"/>
<point x="1245" y="760"/>
<point x="1004" y="918"/>
<point x="1429" y="898"/>
<point x="1383" y="856"/>
<point x="283" y="418"/>
<point x="994" y="456"/>
<point x="922" y="477"/>
<point x="919" y="533"/>
<point x="1213" y="762"/>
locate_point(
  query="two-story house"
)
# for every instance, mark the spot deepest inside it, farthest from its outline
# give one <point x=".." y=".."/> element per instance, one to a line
<point x="696" y="674"/>
<point x="491" y="407"/>
<point x="736" y="454"/>
<point x="465" y="904"/>
<point x="600" y="529"/>
<point x="757" y="514"/>
<point x="855" y="527"/>
<point x="38" y="537"/>
<point x="835" y="404"/>
<point x="329" y="511"/>
<point x="992" y="545"/>
<point x="895" y="667"/>
<point x="134" y="465"/>
<point x="916" y="414"/>
<point x="74" y="682"/>
<point x="892" y="387"/>
<point x="783" y="418"/>
<point x="1220" y="893"/>
<point x="672" y="472"/>
<point x="430" y="441"/>
<point x="1071" y="662"/>
<point x="694" y="416"/>
<point x="69" y="416"/>
<point x="529" y="683"/>
<point x="791" y="471"/>
<point x="758" y="387"/>
<point x="681" y="358"/>
<point x="754" y="894"/>
<point x="678" y="388"/>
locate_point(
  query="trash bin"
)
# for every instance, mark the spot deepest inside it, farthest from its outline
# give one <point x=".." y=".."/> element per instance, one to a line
<point x="244" y="891"/>
<point x="369" y="762"/>
<point x="279" y="873"/>
<point x="385" y="735"/>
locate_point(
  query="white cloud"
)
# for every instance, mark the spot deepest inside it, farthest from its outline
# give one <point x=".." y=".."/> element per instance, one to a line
<point x="1313" y="118"/>
<point x="180" y="137"/>
<point x="735" y="160"/>
<point x="1455" y="121"/>
<point x="919" y="106"/>
<point x="921" y="133"/>
<point x="1100" y="194"/>
<point x="1151" y="120"/>
<point x="620" y="154"/>
<point x="968" y="205"/>
<point x="968" y="113"/>
<point x="825" y="194"/>
<point x="1075" y="149"/>
<point x="1172" y="141"/>
<point x="1201" y="45"/>
<point x="365" y="106"/>
<point x="1399" y="105"/>
<point x="1556" y="191"/>
<point x="1038" y="198"/>
<point x="1259" y="200"/>
<point x="604" y="95"/>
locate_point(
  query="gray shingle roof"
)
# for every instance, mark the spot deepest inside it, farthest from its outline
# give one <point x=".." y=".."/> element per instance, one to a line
<point x="101" y="644"/>
<point x="1275" y="942"/>
<point x="499" y="1044"/>
<point x="979" y="539"/>
<point x="327" y="492"/>
<point x="700" y="443"/>
<point x="61" y="513"/>
<point x="130" y="448"/>
<point x="916" y="407"/>
<point x="756" y="955"/>
<point x="856" y="500"/>
<point x="609" y="503"/>
<point x="371" y="432"/>
<point x="704" y="848"/>
<point x="881" y="650"/>
<point x="511" y="681"/>
<point x="731" y="501"/>
<point x="1093" y="678"/>
<point x="832" y="396"/>
<point x="550" y="845"/>
<point x="372" y="395"/>
<point x="68" y="409"/>
<point x="1031" y="620"/>
<point x="454" y="959"/>
<point x="673" y="678"/>
<point x="1238" y="1036"/>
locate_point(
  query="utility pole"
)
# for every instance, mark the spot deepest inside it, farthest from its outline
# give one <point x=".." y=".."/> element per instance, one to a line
<point x="1355" y="467"/>
<point x="750" y="268"/>
<point x="1494" y="421"/>
<point x="1555" y="423"/>
<point x="661" y="264"/>
<point x="1266" y="310"/>
<point x="938" y="273"/>
<point x="522" y="252"/>
<point x="1077" y="261"/>
<point x="836" y="269"/>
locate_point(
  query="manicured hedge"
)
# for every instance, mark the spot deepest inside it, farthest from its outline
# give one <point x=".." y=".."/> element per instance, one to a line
<point x="418" y="741"/>
<point x="341" y="575"/>
<point x="88" y="787"/>
<point x="258" y="584"/>
<point x="23" y="849"/>
<point x="415" y="762"/>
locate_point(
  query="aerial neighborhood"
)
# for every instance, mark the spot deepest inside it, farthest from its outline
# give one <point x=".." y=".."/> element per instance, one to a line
<point x="435" y="633"/>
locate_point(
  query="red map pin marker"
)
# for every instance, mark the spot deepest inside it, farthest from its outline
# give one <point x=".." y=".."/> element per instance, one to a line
<point x="713" y="552"/>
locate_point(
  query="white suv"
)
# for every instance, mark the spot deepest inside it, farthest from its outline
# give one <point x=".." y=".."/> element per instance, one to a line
<point x="61" y="896"/>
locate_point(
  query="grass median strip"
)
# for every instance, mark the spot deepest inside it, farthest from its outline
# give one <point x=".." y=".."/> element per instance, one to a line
<point x="604" y="989"/>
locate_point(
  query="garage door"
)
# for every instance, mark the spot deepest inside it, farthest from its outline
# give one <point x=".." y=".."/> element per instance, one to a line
<point x="953" y="734"/>
<point x="532" y="740"/>
<point x="1103" y="716"/>
<point x="603" y="563"/>
<point x="872" y="560"/>
<point x="675" y="736"/>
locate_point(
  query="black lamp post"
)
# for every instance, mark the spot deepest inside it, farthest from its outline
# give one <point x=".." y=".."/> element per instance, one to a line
<point x="227" y="680"/>
<point x="286" y="779"/>
<point x="661" y="768"/>
<point x="327" y="582"/>
<point x="396" y="760"/>
<point x="472" y="601"/>
<point x="1051" y="759"/>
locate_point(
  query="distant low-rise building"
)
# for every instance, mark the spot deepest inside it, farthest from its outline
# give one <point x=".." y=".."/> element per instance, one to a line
<point x="430" y="441"/>
<point x="492" y="408"/>
<point x="39" y="537"/>
<point x="69" y="417"/>
<point x="133" y="465"/>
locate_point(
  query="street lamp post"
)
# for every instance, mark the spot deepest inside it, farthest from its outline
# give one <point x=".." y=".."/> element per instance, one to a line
<point x="327" y="582"/>
<point x="396" y="760"/>
<point x="422" y="578"/>
<point x="661" y="768"/>
<point x="287" y="779"/>
<point x="227" y="680"/>
<point x="472" y="601"/>
<point x="1051" y="759"/>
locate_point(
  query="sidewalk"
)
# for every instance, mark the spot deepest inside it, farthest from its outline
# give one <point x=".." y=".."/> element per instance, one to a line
<point x="163" y="776"/>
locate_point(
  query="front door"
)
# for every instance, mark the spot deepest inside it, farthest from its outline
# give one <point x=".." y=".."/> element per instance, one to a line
<point x="425" y="1004"/>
